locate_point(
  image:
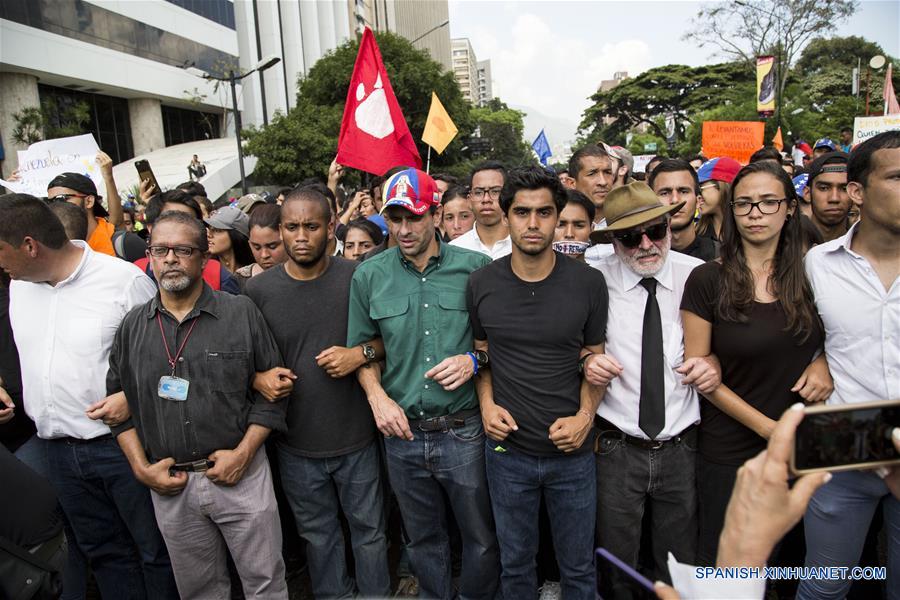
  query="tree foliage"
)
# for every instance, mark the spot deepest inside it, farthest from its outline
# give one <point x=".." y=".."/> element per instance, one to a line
<point x="744" y="30"/>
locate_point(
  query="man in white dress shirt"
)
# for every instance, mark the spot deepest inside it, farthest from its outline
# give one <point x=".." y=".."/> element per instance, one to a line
<point x="491" y="233"/>
<point x="856" y="281"/>
<point x="647" y="444"/>
<point x="66" y="302"/>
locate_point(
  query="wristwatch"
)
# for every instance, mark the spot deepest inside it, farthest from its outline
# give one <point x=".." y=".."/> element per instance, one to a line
<point x="583" y="360"/>
<point x="482" y="358"/>
<point x="368" y="353"/>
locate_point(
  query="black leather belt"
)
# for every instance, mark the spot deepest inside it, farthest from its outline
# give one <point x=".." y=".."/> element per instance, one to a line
<point x="608" y="430"/>
<point x="444" y="423"/>
<point x="197" y="466"/>
<point x="73" y="440"/>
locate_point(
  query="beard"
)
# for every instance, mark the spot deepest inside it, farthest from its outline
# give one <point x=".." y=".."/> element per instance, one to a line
<point x="645" y="270"/>
<point x="174" y="280"/>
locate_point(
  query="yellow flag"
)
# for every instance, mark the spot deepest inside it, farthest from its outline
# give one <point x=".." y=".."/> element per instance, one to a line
<point x="439" y="127"/>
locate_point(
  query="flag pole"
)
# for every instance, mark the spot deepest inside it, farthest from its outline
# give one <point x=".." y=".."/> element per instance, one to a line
<point x="428" y="162"/>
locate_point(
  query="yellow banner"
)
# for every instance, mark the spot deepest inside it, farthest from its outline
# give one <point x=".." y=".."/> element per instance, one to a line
<point x="439" y="127"/>
<point x="765" y="85"/>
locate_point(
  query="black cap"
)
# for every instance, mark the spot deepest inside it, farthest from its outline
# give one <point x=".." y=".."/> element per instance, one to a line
<point x="833" y="162"/>
<point x="82" y="184"/>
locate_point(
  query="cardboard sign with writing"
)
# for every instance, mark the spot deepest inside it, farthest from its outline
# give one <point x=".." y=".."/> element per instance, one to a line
<point x="867" y="127"/>
<point x="45" y="160"/>
<point x="736" y="139"/>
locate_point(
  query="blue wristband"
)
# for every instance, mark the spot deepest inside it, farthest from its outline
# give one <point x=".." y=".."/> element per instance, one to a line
<point x="474" y="361"/>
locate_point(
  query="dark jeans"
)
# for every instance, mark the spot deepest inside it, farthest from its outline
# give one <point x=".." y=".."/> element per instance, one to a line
<point x="714" y="485"/>
<point x="316" y="489"/>
<point x="628" y="476"/>
<point x="517" y="482"/>
<point x="112" y="518"/>
<point x="452" y="461"/>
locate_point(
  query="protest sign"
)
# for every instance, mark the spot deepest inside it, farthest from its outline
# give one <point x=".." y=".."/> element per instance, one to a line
<point x="736" y="139"/>
<point x="640" y="162"/>
<point x="866" y="127"/>
<point x="45" y="160"/>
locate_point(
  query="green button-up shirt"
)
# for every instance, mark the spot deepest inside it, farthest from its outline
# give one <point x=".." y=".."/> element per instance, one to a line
<point x="422" y="319"/>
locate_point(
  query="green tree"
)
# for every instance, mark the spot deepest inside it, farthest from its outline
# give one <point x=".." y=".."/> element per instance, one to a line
<point x="50" y="121"/>
<point x="303" y="142"/>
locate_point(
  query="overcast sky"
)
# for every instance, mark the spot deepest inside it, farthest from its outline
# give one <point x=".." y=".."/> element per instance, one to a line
<point x="551" y="55"/>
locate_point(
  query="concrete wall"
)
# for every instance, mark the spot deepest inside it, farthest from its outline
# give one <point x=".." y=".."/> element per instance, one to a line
<point x="17" y="91"/>
<point x="145" y="115"/>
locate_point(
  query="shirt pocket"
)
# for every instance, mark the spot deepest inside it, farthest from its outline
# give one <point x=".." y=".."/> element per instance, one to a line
<point x="228" y="370"/>
<point x="383" y="310"/>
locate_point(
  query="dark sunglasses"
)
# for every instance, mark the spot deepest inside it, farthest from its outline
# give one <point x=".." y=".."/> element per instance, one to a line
<point x="632" y="237"/>
<point x="65" y="197"/>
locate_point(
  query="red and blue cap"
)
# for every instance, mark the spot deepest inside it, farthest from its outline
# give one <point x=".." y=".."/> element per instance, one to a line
<point x="719" y="169"/>
<point x="412" y="189"/>
<point x="825" y="143"/>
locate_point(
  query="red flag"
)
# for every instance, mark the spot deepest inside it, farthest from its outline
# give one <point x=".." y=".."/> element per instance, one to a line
<point x="374" y="135"/>
<point x="891" y="107"/>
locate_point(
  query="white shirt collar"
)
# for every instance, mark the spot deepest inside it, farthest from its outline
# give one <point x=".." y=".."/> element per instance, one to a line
<point x="85" y="257"/>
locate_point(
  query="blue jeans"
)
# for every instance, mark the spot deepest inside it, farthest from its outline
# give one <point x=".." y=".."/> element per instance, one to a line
<point x="34" y="454"/>
<point x="316" y="488"/>
<point x="112" y="518"/>
<point x="517" y="481"/>
<point x="421" y="471"/>
<point x="836" y="522"/>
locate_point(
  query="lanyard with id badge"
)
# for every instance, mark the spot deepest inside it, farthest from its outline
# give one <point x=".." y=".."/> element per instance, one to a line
<point x="171" y="387"/>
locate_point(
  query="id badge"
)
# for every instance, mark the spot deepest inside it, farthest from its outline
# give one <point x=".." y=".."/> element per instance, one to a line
<point x="173" y="388"/>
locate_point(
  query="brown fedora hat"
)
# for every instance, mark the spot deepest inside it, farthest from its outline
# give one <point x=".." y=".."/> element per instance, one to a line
<point x="630" y="206"/>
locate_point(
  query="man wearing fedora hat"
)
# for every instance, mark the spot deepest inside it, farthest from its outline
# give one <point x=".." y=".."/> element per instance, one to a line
<point x="647" y="444"/>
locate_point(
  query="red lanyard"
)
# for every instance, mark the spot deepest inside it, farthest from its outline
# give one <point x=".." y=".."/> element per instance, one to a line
<point x="174" y="359"/>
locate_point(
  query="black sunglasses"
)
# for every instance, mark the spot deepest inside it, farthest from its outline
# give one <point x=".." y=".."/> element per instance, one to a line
<point x="632" y="237"/>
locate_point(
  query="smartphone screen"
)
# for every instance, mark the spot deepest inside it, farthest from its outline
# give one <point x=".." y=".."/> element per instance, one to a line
<point x="846" y="436"/>
<point x="144" y="172"/>
<point x="618" y="581"/>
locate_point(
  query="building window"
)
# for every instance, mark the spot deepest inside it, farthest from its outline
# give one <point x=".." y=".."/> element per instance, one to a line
<point x="108" y="121"/>
<point x="181" y="125"/>
<point x="218" y="11"/>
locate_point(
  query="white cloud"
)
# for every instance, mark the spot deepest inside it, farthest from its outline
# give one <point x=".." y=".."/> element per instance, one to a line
<point x="551" y="72"/>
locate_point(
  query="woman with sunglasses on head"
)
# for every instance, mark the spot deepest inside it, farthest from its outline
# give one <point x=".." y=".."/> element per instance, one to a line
<point x="715" y="177"/>
<point x="753" y="309"/>
<point x="229" y="237"/>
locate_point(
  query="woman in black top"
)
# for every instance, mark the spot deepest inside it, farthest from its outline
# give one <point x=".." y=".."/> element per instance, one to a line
<point x="753" y="308"/>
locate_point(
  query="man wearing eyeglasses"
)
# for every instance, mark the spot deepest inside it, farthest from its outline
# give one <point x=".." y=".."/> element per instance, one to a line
<point x="647" y="446"/>
<point x="185" y="361"/>
<point x="491" y="234"/>
<point x="78" y="189"/>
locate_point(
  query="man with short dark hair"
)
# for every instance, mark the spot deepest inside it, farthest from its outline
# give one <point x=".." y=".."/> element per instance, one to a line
<point x="856" y="283"/>
<point x="490" y="235"/>
<point x="444" y="182"/>
<point x="846" y="139"/>
<point x="66" y="303"/>
<point x="413" y="297"/>
<point x="185" y="361"/>
<point x="73" y="219"/>
<point x="769" y="153"/>
<point x="675" y="182"/>
<point x="647" y="447"/>
<point x="826" y="192"/>
<point x="329" y="457"/>
<point x="594" y="170"/>
<point x="536" y="408"/>
<point x="651" y="164"/>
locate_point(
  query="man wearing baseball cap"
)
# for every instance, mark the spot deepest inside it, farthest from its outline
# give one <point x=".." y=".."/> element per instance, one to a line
<point x="826" y="193"/>
<point x="646" y="451"/>
<point x="78" y="189"/>
<point x="413" y="297"/>
<point x="823" y="146"/>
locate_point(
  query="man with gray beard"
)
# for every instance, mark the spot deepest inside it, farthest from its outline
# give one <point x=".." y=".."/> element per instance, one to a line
<point x="647" y="444"/>
<point x="185" y="361"/>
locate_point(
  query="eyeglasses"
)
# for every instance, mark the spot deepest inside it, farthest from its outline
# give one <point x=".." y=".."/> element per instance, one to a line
<point x="65" y="197"/>
<point x="742" y="208"/>
<point x="163" y="251"/>
<point x="493" y="193"/>
<point x="632" y="238"/>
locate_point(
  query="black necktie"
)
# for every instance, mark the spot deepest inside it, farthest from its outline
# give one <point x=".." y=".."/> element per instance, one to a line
<point x="653" y="397"/>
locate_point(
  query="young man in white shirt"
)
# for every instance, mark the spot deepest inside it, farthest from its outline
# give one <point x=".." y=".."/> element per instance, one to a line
<point x="66" y="303"/>
<point x="491" y="234"/>
<point x="647" y="446"/>
<point x="856" y="282"/>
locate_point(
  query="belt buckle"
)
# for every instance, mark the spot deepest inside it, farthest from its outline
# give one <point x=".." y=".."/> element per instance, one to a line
<point x="199" y="466"/>
<point x="656" y="444"/>
<point x="430" y="425"/>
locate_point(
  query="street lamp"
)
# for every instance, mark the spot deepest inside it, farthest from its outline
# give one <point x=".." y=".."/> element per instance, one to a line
<point x="232" y="79"/>
<point x="876" y="63"/>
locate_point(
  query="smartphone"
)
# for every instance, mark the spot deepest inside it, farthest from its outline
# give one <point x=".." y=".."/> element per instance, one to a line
<point x="623" y="581"/>
<point x="846" y="437"/>
<point x="145" y="172"/>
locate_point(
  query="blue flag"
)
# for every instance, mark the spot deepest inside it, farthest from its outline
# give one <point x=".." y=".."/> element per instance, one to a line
<point x="541" y="147"/>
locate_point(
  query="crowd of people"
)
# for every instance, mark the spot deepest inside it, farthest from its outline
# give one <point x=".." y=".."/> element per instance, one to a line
<point x="519" y="361"/>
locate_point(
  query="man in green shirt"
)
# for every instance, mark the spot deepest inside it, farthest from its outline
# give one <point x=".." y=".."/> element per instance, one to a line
<point x="413" y="297"/>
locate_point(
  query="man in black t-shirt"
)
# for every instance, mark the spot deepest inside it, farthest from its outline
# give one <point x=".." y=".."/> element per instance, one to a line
<point x="329" y="458"/>
<point x="675" y="181"/>
<point x="534" y="311"/>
